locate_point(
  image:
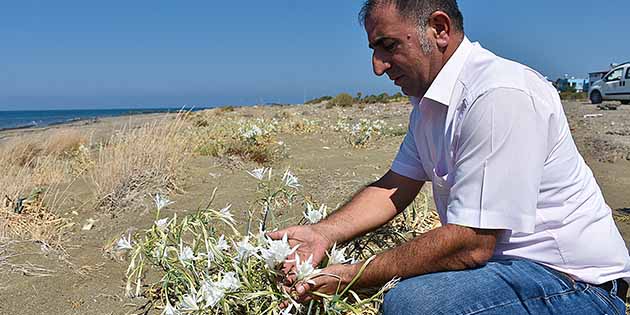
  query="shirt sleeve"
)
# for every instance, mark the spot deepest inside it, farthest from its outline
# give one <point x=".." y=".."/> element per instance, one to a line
<point x="407" y="162"/>
<point x="499" y="160"/>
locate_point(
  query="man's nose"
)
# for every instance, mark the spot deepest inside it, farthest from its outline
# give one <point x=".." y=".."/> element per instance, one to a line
<point x="379" y="65"/>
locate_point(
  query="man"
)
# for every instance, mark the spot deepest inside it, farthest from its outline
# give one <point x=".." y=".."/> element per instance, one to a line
<point x="525" y="226"/>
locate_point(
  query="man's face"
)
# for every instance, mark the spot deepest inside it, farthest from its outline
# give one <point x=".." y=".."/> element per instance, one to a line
<point x="397" y="51"/>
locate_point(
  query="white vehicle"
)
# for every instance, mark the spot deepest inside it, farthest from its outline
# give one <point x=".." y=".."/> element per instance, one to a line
<point x="614" y="86"/>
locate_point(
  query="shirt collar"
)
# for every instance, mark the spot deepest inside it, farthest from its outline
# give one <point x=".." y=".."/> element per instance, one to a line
<point x="442" y="87"/>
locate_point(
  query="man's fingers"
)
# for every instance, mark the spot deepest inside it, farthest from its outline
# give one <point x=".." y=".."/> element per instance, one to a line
<point x="277" y="235"/>
<point x="289" y="264"/>
<point x="289" y="279"/>
<point x="303" y="287"/>
<point x="284" y="305"/>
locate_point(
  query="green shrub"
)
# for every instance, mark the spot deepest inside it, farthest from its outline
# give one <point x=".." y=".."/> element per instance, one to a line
<point x="572" y="95"/>
<point x="319" y="100"/>
<point x="343" y="100"/>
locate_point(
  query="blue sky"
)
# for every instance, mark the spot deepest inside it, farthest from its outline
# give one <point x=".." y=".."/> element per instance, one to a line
<point x="109" y="54"/>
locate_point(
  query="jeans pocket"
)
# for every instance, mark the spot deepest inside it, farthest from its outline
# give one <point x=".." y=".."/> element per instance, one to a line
<point x="613" y="301"/>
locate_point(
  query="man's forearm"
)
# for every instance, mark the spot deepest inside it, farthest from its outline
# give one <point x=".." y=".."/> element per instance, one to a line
<point x="450" y="247"/>
<point x="372" y="207"/>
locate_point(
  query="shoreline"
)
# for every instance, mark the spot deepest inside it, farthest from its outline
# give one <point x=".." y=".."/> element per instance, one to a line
<point x="97" y="126"/>
<point x="143" y="115"/>
<point x="98" y="114"/>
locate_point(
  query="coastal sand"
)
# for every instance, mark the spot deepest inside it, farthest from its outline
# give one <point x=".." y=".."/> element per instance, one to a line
<point x="83" y="279"/>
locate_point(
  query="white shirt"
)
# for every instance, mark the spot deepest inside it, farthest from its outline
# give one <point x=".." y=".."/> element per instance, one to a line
<point x="492" y="137"/>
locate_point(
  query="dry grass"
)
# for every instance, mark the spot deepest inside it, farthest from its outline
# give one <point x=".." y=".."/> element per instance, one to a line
<point x="26" y="268"/>
<point x="135" y="162"/>
<point x="418" y="218"/>
<point x="37" y="169"/>
<point x="33" y="222"/>
<point x="28" y="150"/>
<point x="33" y="170"/>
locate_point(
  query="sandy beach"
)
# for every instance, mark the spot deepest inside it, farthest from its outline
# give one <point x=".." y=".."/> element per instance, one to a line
<point x="69" y="267"/>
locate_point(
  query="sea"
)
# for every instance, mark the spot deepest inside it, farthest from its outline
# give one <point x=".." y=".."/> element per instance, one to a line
<point x="43" y="118"/>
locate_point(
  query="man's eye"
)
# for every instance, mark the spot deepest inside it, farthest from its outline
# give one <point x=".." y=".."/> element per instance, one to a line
<point x="390" y="47"/>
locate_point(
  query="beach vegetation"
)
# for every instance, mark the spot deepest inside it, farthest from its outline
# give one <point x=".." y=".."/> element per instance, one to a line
<point x="249" y="139"/>
<point x="382" y="98"/>
<point x="573" y="95"/>
<point x="319" y="100"/>
<point x="136" y="161"/>
<point x="360" y="133"/>
<point x="204" y="264"/>
<point x="343" y="100"/>
<point x="36" y="171"/>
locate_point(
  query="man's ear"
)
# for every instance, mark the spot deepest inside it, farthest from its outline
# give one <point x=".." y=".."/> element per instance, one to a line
<point x="441" y="27"/>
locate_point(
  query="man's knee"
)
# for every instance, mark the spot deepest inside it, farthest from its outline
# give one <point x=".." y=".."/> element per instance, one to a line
<point x="415" y="295"/>
<point x="451" y="292"/>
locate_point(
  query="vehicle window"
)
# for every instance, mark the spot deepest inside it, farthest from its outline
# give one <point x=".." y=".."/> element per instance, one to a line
<point x="615" y="75"/>
<point x="628" y="73"/>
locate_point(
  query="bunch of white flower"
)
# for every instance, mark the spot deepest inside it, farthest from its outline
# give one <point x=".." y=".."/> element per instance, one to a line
<point x="305" y="270"/>
<point x="161" y="202"/>
<point x="342" y="125"/>
<point x="124" y="244"/>
<point x="213" y="291"/>
<point x="338" y="256"/>
<point x="244" y="249"/>
<point x="231" y="274"/>
<point x="313" y="215"/>
<point x="259" y="173"/>
<point x="251" y="132"/>
<point x="364" y="130"/>
<point x="290" y="180"/>
<point x="276" y="252"/>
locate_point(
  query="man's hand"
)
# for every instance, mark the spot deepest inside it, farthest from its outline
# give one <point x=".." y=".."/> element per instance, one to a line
<point x="331" y="280"/>
<point x="311" y="239"/>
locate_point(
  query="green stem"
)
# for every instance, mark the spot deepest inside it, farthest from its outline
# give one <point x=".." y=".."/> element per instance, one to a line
<point x="358" y="275"/>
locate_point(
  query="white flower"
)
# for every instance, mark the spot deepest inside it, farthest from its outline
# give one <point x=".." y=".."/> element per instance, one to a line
<point x="290" y="180"/>
<point x="259" y="173"/>
<point x="226" y="214"/>
<point x="287" y="311"/>
<point x="161" y="202"/>
<point x="277" y="252"/>
<point x="160" y="250"/>
<point x="244" y="249"/>
<point x="162" y="224"/>
<point x="222" y="243"/>
<point x="186" y="253"/>
<point x="313" y="216"/>
<point x="252" y="132"/>
<point x="211" y="293"/>
<point x="209" y="254"/>
<point x="337" y="256"/>
<point x="262" y="237"/>
<point x="229" y="282"/>
<point x="124" y="243"/>
<point x="189" y="302"/>
<point x="169" y="309"/>
<point x="305" y="270"/>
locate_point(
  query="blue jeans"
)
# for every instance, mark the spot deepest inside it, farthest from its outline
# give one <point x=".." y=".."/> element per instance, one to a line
<point x="511" y="287"/>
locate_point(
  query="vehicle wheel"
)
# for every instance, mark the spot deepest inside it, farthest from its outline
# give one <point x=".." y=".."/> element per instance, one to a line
<point x="596" y="97"/>
<point x="625" y="102"/>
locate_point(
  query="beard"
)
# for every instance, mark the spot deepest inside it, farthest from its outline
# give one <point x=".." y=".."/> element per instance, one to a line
<point x="425" y="44"/>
